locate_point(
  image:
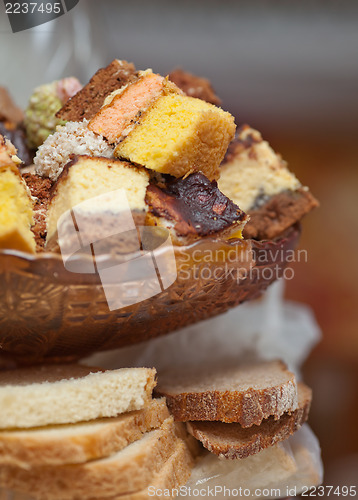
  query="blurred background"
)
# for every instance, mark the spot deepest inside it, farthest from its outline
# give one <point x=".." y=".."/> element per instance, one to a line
<point x="289" y="69"/>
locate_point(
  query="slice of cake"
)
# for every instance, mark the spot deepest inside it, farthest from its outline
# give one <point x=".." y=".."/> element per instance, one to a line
<point x="16" y="205"/>
<point x="194" y="86"/>
<point x="124" y="108"/>
<point x="70" y="393"/>
<point x="74" y="138"/>
<point x="85" y="178"/>
<point x="180" y="135"/>
<point x="258" y="180"/>
<point x="232" y="441"/>
<point x="173" y="474"/>
<point x="128" y="470"/>
<point x="40" y="115"/>
<point x="40" y="190"/>
<point x="80" y="442"/>
<point x="193" y="208"/>
<point x="293" y="465"/>
<point x="246" y="394"/>
<point x="88" y="101"/>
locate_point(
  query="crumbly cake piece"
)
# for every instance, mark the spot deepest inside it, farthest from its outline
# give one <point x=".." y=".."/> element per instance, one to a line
<point x="64" y="394"/>
<point x="40" y="190"/>
<point x="174" y="473"/>
<point x="258" y="180"/>
<point x="127" y="471"/>
<point x="180" y="135"/>
<point x="81" y="442"/>
<point x="246" y="394"/>
<point x="16" y="204"/>
<point x="294" y="463"/>
<point x="88" y="101"/>
<point x="85" y="178"/>
<point x="8" y="153"/>
<point x="232" y="441"/>
<point x="193" y="208"/>
<point x="124" y="109"/>
<point x="279" y="213"/>
<point x="74" y="138"/>
<point x="40" y="115"/>
<point x="194" y="86"/>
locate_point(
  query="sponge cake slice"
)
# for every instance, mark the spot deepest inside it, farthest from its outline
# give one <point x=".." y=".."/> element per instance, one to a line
<point x="16" y="205"/>
<point x="85" y="178"/>
<point x="180" y="135"/>
<point x="62" y="394"/>
<point x="81" y="442"/>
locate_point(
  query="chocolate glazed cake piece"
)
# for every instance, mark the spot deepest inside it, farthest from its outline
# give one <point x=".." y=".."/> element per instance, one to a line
<point x="192" y="208"/>
<point x="257" y="179"/>
<point x="88" y="101"/>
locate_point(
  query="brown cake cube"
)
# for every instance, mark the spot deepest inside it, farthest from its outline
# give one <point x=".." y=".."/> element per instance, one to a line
<point x="88" y="101"/>
<point x="194" y="86"/>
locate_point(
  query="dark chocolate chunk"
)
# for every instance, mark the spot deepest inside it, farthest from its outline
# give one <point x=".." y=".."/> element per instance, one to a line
<point x="194" y="204"/>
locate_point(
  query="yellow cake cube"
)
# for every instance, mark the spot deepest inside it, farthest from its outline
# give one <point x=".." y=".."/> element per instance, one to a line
<point x="85" y="178"/>
<point x="180" y="135"/>
<point x="16" y="205"/>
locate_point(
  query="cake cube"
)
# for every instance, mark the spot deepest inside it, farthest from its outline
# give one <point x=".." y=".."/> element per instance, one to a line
<point x="16" y="205"/>
<point x="85" y="179"/>
<point x="180" y="135"/>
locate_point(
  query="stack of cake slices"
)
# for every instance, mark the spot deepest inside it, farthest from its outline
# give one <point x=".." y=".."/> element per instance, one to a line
<point x="244" y="416"/>
<point x="72" y="432"/>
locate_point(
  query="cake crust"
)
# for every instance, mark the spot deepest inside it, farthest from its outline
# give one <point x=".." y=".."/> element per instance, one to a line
<point x="194" y="86"/>
<point x="40" y="189"/>
<point x="180" y="135"/>
<point x="88" y="101"/>
<point x="278" y="214"/>
<point x="246" y="395"/>
<point x="255" y="177"/>
<point x="79" y="443"/>
<point x="232" y="441"/>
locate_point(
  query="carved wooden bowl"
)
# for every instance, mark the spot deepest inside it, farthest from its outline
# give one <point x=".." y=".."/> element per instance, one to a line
<point x="50" y="313"/>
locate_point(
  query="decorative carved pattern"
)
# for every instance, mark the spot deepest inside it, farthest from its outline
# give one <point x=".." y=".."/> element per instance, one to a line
<point x="48" y="313"/>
